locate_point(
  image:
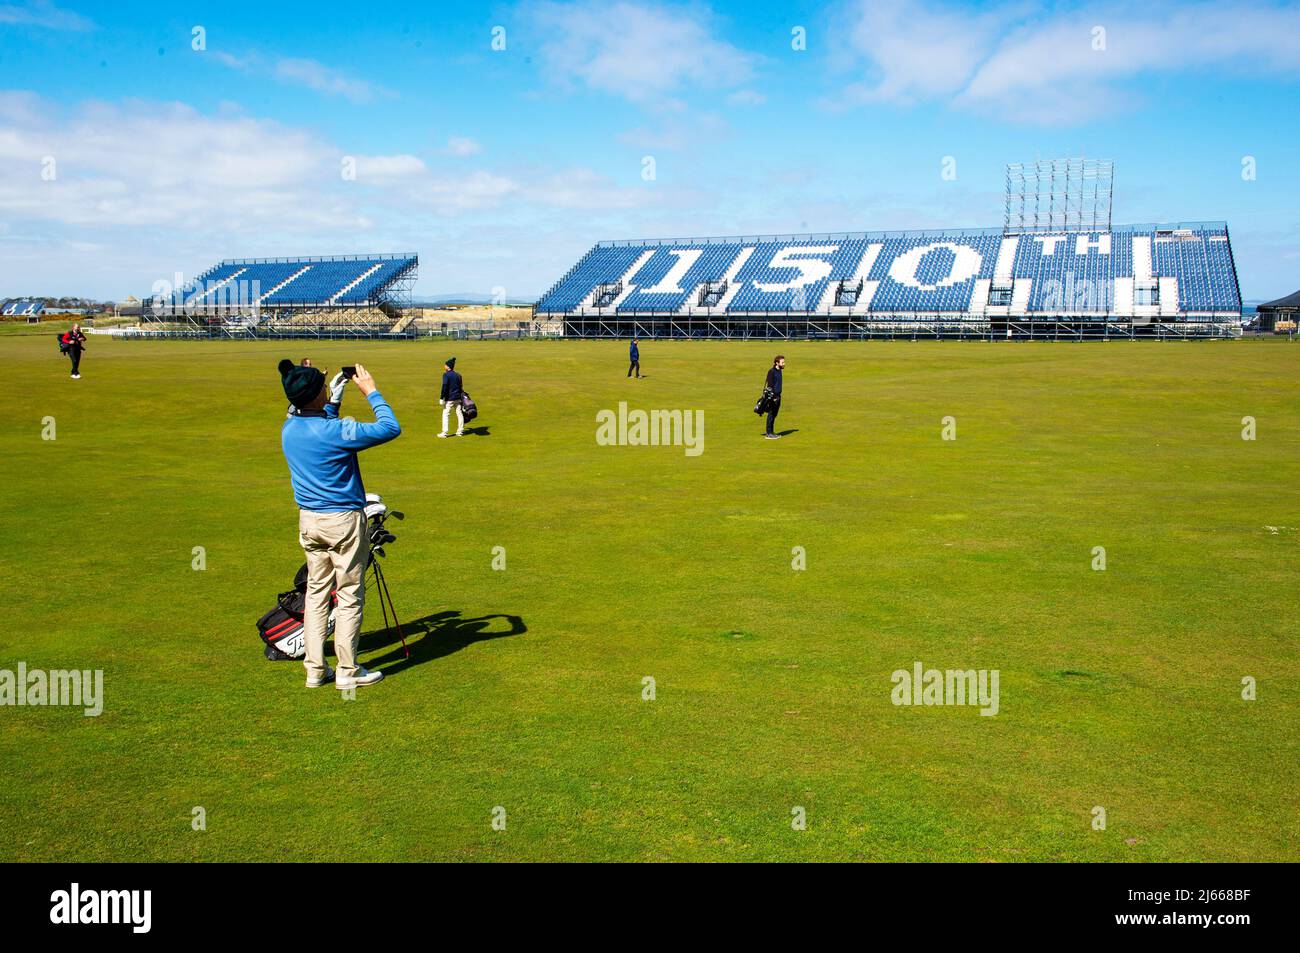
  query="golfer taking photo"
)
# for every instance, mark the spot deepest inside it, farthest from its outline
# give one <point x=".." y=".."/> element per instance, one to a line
<point x="322" y="449"/>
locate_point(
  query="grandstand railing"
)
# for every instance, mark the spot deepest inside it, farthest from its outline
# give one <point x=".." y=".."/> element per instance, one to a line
<point x="479" y="331"/>
<point x="888" y="234"/>
<point x="804" y="237"/>
<point x="775" y="327"/>
<point x="938" y="327"/>
<point x="310" y="258"/>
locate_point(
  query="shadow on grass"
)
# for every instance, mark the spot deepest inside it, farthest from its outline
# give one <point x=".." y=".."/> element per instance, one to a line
<point x="435" y="636"/>
<point x="476" y="431"/>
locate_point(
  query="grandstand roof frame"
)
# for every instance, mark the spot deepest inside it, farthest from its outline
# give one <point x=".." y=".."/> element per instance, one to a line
<point x="902" y="233"/>
<point x="392" y="256"/>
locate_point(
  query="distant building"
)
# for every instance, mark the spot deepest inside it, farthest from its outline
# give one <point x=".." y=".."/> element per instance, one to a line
<point x="1281" y="315"/>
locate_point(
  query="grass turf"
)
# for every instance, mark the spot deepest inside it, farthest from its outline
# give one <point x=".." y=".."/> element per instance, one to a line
<point x="1119" y="689"/>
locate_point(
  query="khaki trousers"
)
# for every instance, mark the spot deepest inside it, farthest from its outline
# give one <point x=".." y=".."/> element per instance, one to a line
<point x="460" y="416"/>
<point x="338" y="551"/>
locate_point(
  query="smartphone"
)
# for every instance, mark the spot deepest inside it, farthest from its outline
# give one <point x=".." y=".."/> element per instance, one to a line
<point x="349" y="372"/>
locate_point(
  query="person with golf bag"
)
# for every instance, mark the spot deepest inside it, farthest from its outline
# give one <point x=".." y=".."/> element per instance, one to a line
<point x="453" y="393"/>
<point x="321" y="450"/>
<point x="72" y="343"/>
<point x="770" y="402"/>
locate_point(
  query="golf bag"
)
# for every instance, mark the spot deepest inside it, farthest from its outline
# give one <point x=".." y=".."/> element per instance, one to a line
<point x="468" y="407"/>
<point x="764" y="402"/>
<point x="65" y="343"/>
<point x="282" y="628"/>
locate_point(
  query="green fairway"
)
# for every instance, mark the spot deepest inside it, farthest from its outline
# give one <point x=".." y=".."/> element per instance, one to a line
<point x="1119" y="689"/>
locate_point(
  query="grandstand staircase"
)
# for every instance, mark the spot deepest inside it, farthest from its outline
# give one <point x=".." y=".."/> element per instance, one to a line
<point x="994" y="297"/>
<point x="728" y="282"/>
<point x="220" y="284"/>
<point x="853" y="296"/>
<point x="352" y="284"/>
<point x="1146" y="288"/>
<point x="624" y="283"/>
<point x="403" y="320"/>
<point x="294" y="277"/>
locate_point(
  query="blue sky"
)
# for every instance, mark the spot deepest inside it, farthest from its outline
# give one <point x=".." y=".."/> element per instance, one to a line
<point x="127" y="154"/>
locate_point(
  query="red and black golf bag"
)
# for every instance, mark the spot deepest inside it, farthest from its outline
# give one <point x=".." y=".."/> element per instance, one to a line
<point x="282" y="628"/>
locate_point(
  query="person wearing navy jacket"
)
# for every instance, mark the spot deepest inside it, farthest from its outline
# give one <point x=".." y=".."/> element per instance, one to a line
<point x="453" y="390"/>
<point x="634" y="356"/>
<point x="772" y="387"/>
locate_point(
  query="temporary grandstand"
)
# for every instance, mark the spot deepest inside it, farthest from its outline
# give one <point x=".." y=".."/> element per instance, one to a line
<point x="22" y="308"/>
<point x="1057" y="268"/>
<point x="331" y="296"/>
<point x="1135" y="280"/>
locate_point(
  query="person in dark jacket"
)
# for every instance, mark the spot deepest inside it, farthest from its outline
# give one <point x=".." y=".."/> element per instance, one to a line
<point x="772" y="387"/>
<point x="75" y="342"/>
<point x="453" y="389"/>
<point x="634" y="357"/>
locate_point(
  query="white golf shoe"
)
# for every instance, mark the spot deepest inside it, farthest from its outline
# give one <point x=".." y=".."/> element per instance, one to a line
<point x="363" y="677"/>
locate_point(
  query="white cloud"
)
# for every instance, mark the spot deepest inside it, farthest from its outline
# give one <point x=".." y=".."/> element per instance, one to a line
<point x="389" y="169"/>
<point x="462" y="146"/>
<point x="42" y="13"/>
<point x="451" y="194"/>
<point x="324" y="79"/>
<point x="154" y="164"/>
<point x="231" y="60"/>
<point x="1046" y="68"/>
<point x="585" y="189"/>
<point x="303" y="72"/>
<point x="160" y="186"/>
<point x="639" y="51"/>
<point x="675" y="132"/>
<point x="1057" y="59"/>
<point x="918" y="51"/>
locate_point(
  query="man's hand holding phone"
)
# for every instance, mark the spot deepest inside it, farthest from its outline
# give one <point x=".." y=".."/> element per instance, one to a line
<point x="365" y="383"/>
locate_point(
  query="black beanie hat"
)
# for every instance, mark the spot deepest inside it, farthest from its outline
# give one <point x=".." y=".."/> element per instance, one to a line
<point x="301" y="384"/>
<point x="451" y="362"/>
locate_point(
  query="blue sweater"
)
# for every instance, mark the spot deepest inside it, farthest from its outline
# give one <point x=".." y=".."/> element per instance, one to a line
<point x="634" y="352"/>
<point x="322" y="453"/>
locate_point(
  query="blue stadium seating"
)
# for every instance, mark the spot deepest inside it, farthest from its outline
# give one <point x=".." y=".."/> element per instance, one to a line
<point x="22" y="308"/>
<point x="936" y="272"/>
<point x="307" y="282"/>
